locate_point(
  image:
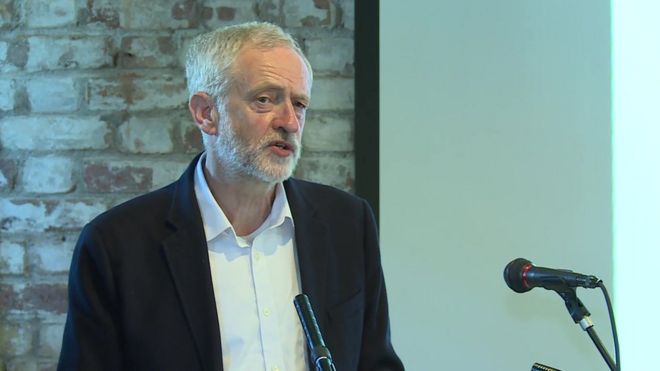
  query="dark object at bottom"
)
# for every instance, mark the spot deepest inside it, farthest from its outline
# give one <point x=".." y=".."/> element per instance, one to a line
<point x="540" y="367"/>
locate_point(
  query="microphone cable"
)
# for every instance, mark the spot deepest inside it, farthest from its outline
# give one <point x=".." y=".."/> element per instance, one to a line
<point x="615" y="335"/>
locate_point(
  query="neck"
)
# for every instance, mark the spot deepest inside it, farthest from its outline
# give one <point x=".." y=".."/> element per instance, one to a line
<point x="246" y="201"/>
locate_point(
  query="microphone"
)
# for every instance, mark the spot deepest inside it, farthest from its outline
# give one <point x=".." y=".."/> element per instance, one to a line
<point x="319" y="352"/>
<point x="521" y="276"/>
<point x="540" y="367"/>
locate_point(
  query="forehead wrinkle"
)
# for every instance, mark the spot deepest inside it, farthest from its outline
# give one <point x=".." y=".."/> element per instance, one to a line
<point x="269" y="71"/>
<point x="259" y="73"/>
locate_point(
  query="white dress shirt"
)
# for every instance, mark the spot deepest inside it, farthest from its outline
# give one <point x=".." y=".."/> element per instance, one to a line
<point x="255" y="279"/>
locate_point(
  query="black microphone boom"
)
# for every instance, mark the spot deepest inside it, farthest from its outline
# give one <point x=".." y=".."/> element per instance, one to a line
<point x="521" y="276"/>
<point x="318" y="351"/>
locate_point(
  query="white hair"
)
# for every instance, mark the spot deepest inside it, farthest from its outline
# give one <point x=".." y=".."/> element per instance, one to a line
<point x="211" y="55"/>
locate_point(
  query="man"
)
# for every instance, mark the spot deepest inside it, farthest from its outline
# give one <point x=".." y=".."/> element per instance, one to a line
<point x="201" y="275"/>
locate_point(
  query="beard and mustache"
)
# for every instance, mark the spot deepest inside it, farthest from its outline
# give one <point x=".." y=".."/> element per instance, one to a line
<point x="240" y="157"/>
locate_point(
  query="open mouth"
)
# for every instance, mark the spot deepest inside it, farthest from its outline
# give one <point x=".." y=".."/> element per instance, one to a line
<point x="283" y="145"/>
<point x="282" y="148"/>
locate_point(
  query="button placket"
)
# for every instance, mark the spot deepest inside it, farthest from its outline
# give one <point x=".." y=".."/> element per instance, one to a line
<point x="267" y="319"/>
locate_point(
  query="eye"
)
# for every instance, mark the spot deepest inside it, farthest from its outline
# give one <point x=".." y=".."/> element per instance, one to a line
<point x="263" y="100"/>
<point x="301" y="105"/>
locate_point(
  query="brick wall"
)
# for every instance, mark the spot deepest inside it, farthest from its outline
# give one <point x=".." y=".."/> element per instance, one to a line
<point x="92" y="112"/>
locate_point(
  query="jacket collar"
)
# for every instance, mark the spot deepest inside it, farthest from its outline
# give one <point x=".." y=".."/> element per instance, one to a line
<point x="187" y="257"/>
<point x="311" y="246"/>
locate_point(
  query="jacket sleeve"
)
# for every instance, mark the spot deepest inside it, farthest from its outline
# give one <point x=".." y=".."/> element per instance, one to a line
<point x="91" y="333"/>
<point x="377" y="353"/>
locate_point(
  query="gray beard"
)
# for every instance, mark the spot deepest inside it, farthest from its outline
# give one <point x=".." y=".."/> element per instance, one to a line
<point x="241" y="159"/>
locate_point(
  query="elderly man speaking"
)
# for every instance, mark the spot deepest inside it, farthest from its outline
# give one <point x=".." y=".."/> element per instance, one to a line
<point x="201" y="274"/>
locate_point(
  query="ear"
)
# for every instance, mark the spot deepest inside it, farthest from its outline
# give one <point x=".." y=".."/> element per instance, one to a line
<point x="204" y="113"/>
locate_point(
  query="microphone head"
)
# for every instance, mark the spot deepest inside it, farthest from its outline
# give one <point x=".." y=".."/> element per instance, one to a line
<point x="513" y="275"/>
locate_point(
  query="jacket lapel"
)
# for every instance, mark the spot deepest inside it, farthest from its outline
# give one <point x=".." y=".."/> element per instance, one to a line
<point x="312" y="248"/>
<point x="188" y="261"/>
<point x="187" y="256"/>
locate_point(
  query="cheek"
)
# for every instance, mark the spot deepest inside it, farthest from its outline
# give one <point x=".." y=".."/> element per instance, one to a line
<point x="255" y="126"/>
<point x="302" y="126"/>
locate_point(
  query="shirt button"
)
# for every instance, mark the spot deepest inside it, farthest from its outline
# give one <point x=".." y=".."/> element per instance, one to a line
<point x="276" y="368"/>
<point x="257" y="256"/>
<point x="266" y="312"/>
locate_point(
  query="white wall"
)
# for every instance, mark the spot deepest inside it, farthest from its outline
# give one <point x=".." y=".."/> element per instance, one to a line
<point x="495" y="144"/>
<point x="636" y="175"/>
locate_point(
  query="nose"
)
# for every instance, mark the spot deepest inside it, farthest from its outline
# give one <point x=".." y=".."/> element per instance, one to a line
<point x="287" y="118"/>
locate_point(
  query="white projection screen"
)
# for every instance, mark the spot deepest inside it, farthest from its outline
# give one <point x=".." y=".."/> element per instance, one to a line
<point x="495" y="143"/>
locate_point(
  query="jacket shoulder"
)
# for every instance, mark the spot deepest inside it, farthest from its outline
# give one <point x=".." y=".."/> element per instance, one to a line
<point x="151" y="206"/>
<point x="326" y="200"/>
<point x="323" y="193"/>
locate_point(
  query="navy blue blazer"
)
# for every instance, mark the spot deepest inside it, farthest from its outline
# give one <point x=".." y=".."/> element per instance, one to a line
<point x="141" y="296"/>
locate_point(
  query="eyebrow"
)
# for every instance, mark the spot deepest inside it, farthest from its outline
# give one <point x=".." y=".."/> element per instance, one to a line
<point x="271" y="86"/>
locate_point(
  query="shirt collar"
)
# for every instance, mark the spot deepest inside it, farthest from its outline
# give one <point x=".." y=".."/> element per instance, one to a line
<point x="214" y="219"/>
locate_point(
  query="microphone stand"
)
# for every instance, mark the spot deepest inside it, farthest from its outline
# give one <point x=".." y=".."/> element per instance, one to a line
<point x="319" y="353"/>
<point x="581" y="315"/>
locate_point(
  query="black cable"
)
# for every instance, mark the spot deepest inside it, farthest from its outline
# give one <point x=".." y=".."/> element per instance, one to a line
<point x="615" y="335"/>
<point x="599" y="345"/>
